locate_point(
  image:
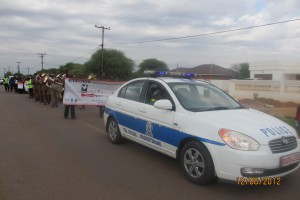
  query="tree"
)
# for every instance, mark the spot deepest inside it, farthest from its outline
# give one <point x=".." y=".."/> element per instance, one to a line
<point x="116" y="64"/>
<point x="152" y="64"/>
<point x="242" y="69"/>
<point x="77" y="69"/>
<point x="236" y="67"/>
<point x="7" y="74"/>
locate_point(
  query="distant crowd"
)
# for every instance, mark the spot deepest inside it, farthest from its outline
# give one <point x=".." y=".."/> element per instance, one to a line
<point x="38" y="87"/>
<point x="16" y="84"/>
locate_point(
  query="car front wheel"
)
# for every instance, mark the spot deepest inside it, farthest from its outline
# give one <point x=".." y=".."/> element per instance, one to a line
<point x="197" y="164"/>
<point x="114" y="132"/>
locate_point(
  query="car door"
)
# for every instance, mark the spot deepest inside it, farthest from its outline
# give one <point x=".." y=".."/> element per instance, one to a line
<point x="157" y="129"/>
<point x="127" y="110"/>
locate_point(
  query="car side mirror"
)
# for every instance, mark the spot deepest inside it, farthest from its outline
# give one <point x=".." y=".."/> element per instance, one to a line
<point x="163" y="104"/>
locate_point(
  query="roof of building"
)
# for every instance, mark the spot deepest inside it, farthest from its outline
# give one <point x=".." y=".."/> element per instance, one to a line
<point x="207" y="69"/>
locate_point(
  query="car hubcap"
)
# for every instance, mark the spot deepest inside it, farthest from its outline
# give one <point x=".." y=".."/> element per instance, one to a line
<point x="112" y="130"/>
<point x="194" y="163"/>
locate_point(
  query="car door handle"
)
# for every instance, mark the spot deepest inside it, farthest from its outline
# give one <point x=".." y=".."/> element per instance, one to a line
<point x="119" y="103"/>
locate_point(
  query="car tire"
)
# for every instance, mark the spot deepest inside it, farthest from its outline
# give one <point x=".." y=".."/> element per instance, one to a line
<point x="113" y="131"/>
<point x="197" y="164"/>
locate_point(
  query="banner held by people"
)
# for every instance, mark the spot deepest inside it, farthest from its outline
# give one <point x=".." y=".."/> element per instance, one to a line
<point x="88" y="92"/>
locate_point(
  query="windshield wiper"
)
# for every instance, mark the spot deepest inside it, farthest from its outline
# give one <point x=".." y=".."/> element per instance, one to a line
<point x="239" y="107"/>
<point x="224" y="108"/>
<point x="217" y="108"/>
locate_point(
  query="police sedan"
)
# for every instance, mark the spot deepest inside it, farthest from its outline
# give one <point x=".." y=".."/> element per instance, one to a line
<point x="209" y="132"/>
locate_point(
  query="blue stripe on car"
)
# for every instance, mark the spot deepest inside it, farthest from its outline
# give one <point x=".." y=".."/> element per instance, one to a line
<point x="170" y="136"/>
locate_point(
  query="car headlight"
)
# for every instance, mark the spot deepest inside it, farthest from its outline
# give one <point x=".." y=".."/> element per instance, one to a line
<point x="238" y="140"/>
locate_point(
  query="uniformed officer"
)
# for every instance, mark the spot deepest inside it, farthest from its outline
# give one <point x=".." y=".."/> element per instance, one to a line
<point x="54" y="93"/>
<point x="43" y="89"/>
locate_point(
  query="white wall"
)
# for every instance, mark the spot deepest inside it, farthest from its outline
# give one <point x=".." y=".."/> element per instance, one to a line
<point x="279" y="72"/>
<point x="283" y="91"/>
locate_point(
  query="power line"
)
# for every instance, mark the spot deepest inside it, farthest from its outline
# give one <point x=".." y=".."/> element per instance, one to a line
<point x="84" y="54"/>
<point x="19" y="67"/>
<point x="102" y="45"/>
<point x="206" y="34"/>
<point x="173" y="38"/>
<point x="42" y="57"/>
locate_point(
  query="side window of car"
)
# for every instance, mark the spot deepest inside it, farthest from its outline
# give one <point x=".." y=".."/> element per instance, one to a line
<point x="132" y="91"/>
<point x="122" y="92"/>
<point x="156" y="92"/>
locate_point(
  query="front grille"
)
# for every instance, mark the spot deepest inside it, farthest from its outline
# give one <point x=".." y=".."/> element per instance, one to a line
<point x="283" y="144"/>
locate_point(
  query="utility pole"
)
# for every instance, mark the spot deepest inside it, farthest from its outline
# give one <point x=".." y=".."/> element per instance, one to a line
<point x="19" y="67"/>
<point x="102" y="45"/>
<point x="4" y="71"/>
<point x="42" y="57"/>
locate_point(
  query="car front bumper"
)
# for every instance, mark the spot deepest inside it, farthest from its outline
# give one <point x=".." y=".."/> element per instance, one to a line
<point x="231" y="164"/>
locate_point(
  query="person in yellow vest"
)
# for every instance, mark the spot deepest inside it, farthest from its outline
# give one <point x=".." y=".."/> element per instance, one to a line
<point x="30" y="87"/>
<point x="6" y="84"/>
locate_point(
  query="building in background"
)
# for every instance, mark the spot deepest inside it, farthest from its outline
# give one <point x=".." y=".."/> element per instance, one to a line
<point x="209" y="72"/>
<point x="275" y="73"/>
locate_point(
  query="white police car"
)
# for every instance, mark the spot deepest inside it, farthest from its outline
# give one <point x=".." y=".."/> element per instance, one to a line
<point x="211" y="134"/>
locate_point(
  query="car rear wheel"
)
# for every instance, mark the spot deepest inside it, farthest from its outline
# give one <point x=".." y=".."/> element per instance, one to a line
<point x="197" y="164"/>
<point x="114" y="134"/>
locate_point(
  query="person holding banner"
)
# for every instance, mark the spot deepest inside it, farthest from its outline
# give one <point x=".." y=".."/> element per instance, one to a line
<point x="69" y="74"/>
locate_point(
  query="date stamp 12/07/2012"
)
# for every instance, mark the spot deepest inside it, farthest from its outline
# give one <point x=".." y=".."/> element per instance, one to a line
<point x="267" y="181"/>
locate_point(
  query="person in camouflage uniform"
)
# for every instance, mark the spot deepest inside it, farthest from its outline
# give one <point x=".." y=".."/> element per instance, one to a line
<point x="43" y="90"/>
<point x="53" y="93"/>
<point x="39" y="89"/>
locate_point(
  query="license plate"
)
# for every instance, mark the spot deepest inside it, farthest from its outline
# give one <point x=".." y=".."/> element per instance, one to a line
<point x="290" y="159"/>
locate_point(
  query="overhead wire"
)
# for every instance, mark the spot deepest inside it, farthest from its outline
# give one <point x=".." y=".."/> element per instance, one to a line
<point x="188" y="36"/>
<point x="76" y="58"/>
<point x="205" y="34"/>
<point x="85" y="54"/>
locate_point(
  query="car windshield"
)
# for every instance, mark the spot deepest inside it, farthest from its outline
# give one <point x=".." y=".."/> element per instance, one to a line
<point x="198" y="97"/>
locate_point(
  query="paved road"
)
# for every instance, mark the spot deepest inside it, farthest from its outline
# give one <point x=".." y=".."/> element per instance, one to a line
<point x="45" y="157"/>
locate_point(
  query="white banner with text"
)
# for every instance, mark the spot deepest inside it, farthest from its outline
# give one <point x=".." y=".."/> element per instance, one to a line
<point x="88" y="92"/>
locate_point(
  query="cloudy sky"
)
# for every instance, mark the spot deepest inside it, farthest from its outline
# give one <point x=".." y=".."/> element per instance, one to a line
<point x="65" y="31"/>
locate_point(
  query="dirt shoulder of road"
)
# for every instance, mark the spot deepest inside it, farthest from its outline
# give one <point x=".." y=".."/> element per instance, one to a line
<point x="272" y="107"/>
<point x="285" y="111"/>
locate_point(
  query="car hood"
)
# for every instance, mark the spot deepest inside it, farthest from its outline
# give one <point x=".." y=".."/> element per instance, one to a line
<point x="258" y="125"/>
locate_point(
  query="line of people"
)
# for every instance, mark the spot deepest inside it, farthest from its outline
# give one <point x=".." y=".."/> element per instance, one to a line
<point x="45" y="88"/>
<point x="16" y="84"/>
<point x="36" y="86"/>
